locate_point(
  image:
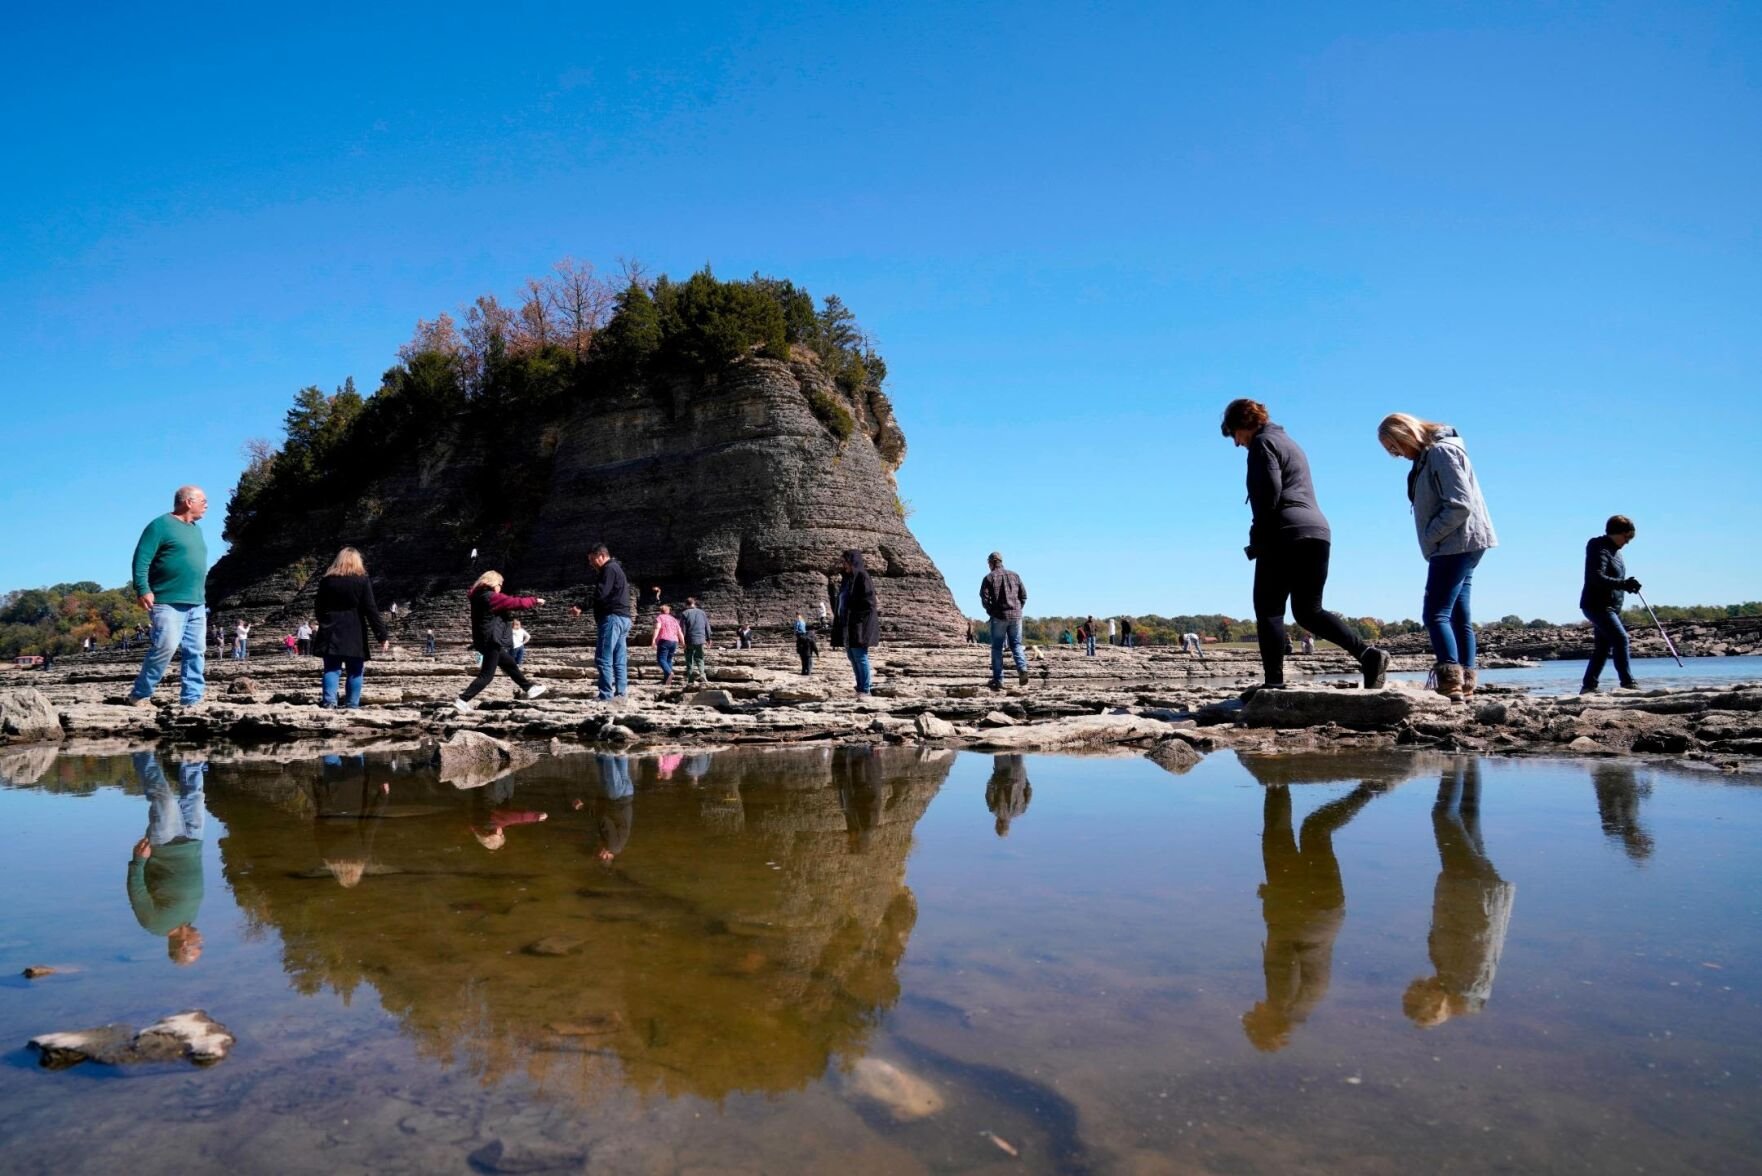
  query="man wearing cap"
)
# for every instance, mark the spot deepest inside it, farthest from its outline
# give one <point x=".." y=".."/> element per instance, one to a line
<point x="170" y="578"/>
<point x="1002" y="595"/>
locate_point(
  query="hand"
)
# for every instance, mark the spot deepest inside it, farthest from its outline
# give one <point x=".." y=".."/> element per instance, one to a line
<point x="1631" y="584"/>
<point x="575" y="610"/>
<point x="540" y="600"/>
<point x="146" y="599"/>
<point x="605" y="855"/>
<point x="385" y="645"/>
<point x="143" y="849"/>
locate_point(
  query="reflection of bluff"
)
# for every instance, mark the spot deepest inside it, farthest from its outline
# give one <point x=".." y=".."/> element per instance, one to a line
<point x="748" y="933"/>
<point x="717" y="456"/>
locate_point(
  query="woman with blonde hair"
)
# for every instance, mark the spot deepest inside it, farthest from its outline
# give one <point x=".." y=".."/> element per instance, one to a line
<point x="493" y="637"/>
<point x="346" y="612"/>
<point x="1455" y="531"/>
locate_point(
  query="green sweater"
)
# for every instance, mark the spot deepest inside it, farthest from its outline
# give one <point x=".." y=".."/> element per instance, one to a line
<point x="171" y="562"/>
<point x="166" y="889"/>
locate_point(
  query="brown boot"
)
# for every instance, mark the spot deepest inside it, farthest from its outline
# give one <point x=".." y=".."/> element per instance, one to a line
<point x="1447" y="680"/>
<point x="1468" y="681"/>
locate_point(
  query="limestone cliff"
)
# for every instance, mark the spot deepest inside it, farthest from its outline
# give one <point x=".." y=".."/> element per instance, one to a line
<point x="740" y="488"/>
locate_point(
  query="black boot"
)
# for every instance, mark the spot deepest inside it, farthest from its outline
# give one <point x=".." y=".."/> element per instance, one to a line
<point x="1375" y="664"/>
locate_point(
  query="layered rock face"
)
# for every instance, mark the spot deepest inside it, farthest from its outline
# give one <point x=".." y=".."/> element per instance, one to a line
<point x="738" y="490"/>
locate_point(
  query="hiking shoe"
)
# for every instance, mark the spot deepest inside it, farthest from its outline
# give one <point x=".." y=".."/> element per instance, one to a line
<point x="1469" y="681"/>
<point x="995" y="685"/>
<point x="463" y="707"/>
<point x="1375" y="663"/>
<point x="1021" y="677"/>
<point x="536" y="690"/>
<point x="148" y="701"/>
<point x="1446" y="679"/>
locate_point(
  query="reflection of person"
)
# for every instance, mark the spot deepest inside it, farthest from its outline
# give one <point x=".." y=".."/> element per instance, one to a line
<point x="1471" y="907"/>
<point x="862" y="794"/>
<point x="347" y="808"/>
<point x="165" y="871"/>
<point x="490" y="814"/>
<point x="1304" y="904"/>
<point x="615" y="807"/>
<point x="1008" y="792"/>
<point x="1618" y="808"/>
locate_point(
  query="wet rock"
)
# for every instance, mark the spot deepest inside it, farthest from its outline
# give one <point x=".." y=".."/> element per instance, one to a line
<point x="191" y="1035"/>
<point x="528" y="1155"/>
<point x="1492" y="714"/>
<point x="37" y="970"/>
<point x="1663" y="742"/>
<point x="1299" y="706"/>
<point x="930" y="726"/>
<point x="905" y="1096"/>
<point x="553" y="945"/>
<point x="26" y="716"/>
<point x="719" y="699"/>
<point x="1585" y="745"/>
<point x="1174" y="755"/>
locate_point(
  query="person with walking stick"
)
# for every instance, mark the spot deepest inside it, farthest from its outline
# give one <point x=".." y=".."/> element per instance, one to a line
<point x="1606" y="586"/>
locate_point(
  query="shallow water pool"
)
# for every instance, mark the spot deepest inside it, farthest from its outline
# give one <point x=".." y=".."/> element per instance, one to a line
<point x="886" y="960"/>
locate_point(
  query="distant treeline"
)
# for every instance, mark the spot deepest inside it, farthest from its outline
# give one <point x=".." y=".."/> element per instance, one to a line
<point x="58" y="619"/>
<point x="502" y="374"/>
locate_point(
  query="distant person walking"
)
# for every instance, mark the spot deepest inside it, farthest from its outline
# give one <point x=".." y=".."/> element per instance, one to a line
<point x="1002" y="595"/>
<point x="169" y="577"/>
<point x="303" y="638"/>
<point x="346" y="612"/>
<point x="612" y="614"/>
<point x="856" y="622"/>
<point x="1289" y="541"/>
<point x="694" y="623"/>
<point x="1605" y="592"/>
<point x="666" y="641"/>
<point x="1454" y="530"/>
<point x="492" y="637"/>
<point x="1089" y="636"/>
<point x="428" y="643"/>
<point x="1126" y="632"/>
<point x="521" y="636"/>
<point x="805" y="645"/>
<point x="1113" y="637"/>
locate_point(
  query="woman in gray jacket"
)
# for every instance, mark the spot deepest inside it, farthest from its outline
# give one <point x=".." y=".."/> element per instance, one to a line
<point x="1454" y="531"/>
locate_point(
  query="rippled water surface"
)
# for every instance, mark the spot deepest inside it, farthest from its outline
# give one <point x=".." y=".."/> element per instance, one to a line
<point x="826" y="959"/>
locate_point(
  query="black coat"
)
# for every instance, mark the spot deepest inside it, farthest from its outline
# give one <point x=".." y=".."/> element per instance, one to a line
<point x="858" y="623"/>
<point x="1605" y="576"/>
<point x="1281" y="492"/>
<point x="345" y="612"/>
<point x="611" y="592"/>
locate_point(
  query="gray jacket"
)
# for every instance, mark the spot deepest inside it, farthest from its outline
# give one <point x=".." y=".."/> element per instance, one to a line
<point x="695" y="623"/>
<point x="1449" y="514"/>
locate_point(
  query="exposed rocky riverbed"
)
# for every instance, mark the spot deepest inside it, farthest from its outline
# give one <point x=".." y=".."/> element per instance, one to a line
<point x="1161" y="702"/>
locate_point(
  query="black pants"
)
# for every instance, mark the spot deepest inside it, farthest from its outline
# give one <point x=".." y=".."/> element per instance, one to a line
<point x="1297" y="571"/>
<point x="805" y="651"/>
<point x="495" y="657"/>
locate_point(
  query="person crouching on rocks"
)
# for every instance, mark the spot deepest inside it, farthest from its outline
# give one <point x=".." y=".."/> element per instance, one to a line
<point x="493" y="638"/>
<point x="1605" y="592"/>
<point x="1454" y="530"/>
<point x="1289" y="541"/>
<point x="346" y="611"/>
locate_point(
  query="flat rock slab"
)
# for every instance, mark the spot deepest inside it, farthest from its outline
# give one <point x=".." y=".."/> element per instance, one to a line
<point x="191" y="1036"/>
<point x="1361" y="710"/>
<point x="1087" y="730"/>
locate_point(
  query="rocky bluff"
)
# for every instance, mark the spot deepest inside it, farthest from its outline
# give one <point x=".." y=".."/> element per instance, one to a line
<point x="738" y="481"/>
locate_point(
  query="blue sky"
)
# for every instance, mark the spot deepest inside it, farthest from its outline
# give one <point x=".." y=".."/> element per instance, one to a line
<point x="1075" y="230"/>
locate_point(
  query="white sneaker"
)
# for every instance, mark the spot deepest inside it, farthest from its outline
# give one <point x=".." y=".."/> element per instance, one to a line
<point x="463" y="707"/>
<point x="536" y="690"/>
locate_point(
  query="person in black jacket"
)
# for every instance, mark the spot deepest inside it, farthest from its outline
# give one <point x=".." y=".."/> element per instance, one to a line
<point x="613" y="615"/>
<point x="1289" y="542"/>
<point x="1606" y="587"/>
<point x="493" y="638"/>
<point x="346" y="612"/>
<point x="856" y="621"/>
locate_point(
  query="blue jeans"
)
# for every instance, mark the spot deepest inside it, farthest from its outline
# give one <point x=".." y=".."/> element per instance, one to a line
<point x="664" y="651"/>
<point x="520" y="655"/>
<point x="859" y="661"/>
<point x="1445" y="610"/>
<point x="1010" y="631"/>
<point x="1610" y="644"/>
<point x="1089" y="645"/>
<point x="334" y="666"/>
<point x="612" y="657"/>
<point x="239" y="649"/>
<point x="177" y="628"/>
<point x="171" y="817"/>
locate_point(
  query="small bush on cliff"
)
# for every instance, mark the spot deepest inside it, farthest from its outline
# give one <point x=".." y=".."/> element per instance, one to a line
<point x="831" y="412"/>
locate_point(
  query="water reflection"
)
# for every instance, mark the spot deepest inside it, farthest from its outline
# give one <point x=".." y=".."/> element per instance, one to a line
<point x="165" y="868"/>
<point x="1618" y="808"/>
<point x="750" y="935"/>
<point x="1008" y="792"/>
<point x="1303" y="899"/>
<point x="1471" y="907"/>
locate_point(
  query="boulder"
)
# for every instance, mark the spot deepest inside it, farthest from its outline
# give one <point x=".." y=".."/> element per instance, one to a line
<point x="931" y="727"/>
<point x="720" y="699"/>
<point x="997" y="719"/>
<point x="240" y="686"/>
<point x="903" y="1094"/>
<point x="1311" y="706"/>
<point x="27" y="717"/>
<point x="191" y="1036"/>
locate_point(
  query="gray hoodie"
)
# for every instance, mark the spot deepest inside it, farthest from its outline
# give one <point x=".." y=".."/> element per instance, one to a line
<point x="1449" y="514"/>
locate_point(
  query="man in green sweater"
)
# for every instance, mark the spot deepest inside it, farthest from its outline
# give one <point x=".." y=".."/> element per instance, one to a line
<point x="170" y="578"/>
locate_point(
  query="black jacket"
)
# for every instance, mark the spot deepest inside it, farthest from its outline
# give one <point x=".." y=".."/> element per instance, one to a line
<point x="490" y="631"/>
<point x="1281" y="492"/>
<point x="1002" y="595"/>
<point x="345" y="612"/>
<point x="858" y="620"/>
<point x="611" y="592"/>
<point x="1605" y="576"/>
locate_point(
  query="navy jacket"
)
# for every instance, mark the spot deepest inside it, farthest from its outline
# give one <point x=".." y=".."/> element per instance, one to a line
<point x="1605" y="576"/>
<point x="611" y="592"/>
<point x="1281" y="492"/>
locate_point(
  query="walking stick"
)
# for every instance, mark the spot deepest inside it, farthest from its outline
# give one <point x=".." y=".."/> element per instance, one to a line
<point x="1668" y="644"/>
